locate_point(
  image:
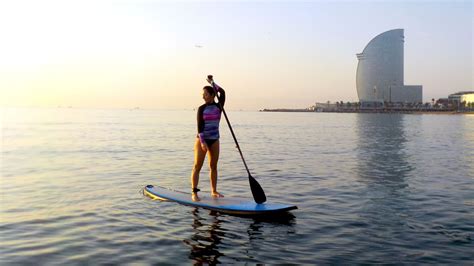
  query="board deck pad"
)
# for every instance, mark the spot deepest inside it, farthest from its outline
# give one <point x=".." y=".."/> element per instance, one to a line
<point x="230" y="205"/>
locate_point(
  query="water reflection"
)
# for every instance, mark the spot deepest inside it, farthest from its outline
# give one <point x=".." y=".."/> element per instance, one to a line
<point x="467" y="130"/>
<point x="381" y="149"/>
<point x="384" y="168"/>
<point x="206" y="238"/>
<point x="210" y="237"/>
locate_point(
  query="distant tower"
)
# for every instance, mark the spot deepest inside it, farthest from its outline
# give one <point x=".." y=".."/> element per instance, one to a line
<point x="380" y="72"/>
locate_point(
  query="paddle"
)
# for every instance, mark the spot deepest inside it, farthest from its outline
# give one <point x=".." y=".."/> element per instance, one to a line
<point x="257" y="191"/>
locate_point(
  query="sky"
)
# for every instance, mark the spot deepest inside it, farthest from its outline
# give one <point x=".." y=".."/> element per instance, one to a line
<point x="266" y="54"/>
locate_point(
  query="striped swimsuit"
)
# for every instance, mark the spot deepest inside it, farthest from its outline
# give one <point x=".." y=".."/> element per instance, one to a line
<point x="208" y="118"/>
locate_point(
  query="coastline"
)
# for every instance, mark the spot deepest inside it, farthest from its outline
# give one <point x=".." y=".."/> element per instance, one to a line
<point x="389" y="111"/>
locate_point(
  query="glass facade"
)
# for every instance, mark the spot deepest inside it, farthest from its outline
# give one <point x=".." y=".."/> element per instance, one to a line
<point x="380" y="71"/>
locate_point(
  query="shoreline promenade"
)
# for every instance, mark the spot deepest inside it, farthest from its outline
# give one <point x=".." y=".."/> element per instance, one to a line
<point x="375" y="110"/>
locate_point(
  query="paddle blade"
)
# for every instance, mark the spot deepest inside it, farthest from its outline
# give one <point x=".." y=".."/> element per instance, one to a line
<point x="257" y="191"/>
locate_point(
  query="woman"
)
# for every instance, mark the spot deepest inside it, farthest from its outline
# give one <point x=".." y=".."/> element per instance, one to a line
<point x="207" y="139"/>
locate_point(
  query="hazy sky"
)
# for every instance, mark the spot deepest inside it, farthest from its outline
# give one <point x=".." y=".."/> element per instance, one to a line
<point x="267" y="54"/>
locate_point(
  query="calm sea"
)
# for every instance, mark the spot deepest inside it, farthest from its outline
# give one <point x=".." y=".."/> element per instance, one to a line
<point x="371" y="188"/>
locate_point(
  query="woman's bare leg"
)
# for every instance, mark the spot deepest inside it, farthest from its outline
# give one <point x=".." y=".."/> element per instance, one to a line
<point x="213" y="155"/>
<point x="199" y="156"/>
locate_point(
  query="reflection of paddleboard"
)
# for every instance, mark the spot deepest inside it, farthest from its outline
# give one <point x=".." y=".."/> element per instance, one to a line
<point x="237" y="206"/>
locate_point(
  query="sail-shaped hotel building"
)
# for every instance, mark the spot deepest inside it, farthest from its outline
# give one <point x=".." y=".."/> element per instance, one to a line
<point x="380" y="72"/>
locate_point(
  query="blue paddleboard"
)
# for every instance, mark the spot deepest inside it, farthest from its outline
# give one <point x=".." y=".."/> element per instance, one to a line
<point x="230" y="205"/>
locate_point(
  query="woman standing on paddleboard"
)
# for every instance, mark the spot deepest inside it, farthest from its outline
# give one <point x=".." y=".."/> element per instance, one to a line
<point x="207" y="139"/>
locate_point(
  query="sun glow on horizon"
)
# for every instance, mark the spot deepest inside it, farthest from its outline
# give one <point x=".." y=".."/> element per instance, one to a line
<point x="156" y="54"/>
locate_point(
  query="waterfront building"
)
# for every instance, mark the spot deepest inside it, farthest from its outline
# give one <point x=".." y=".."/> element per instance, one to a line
<point x="466" y="97"/>
<point x="379" y="76"/>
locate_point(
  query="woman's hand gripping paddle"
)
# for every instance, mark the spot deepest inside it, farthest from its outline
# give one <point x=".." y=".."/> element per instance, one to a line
<point x="257" y="191"/>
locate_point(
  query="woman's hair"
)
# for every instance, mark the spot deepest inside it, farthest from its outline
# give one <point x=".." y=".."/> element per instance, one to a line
<point x="210" y="90"/>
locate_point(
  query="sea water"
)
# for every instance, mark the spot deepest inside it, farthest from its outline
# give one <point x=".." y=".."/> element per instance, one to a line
<point x="370" y="188"/>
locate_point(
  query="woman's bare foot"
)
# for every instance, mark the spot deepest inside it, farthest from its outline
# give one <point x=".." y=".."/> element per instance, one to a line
<point x="195" y="197"/>
<point x="217" y="195"/>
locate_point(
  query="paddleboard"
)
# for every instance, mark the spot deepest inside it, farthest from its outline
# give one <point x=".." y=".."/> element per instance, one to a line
<point x="229" y="205"/>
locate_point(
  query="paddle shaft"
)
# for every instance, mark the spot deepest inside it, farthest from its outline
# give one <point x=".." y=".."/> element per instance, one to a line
<point x="232" y="131"/>
<point x="235" y="139"/>
<point x="257" y="191"/>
